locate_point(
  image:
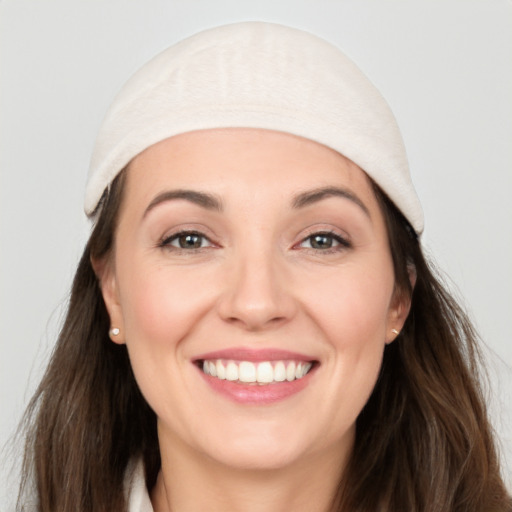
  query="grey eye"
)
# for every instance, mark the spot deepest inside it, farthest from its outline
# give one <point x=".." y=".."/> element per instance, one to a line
<point x="187" y="240"/>
<point x="321" y="241"/>
<point x="324" y="241"/>
<point x="190" y="241"/>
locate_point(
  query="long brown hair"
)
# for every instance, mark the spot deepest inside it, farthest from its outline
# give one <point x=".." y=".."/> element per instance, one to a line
<point x="423" y="440"/>
<point x="90" y="418"/>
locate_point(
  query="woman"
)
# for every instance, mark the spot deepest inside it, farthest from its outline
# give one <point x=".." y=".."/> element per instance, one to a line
<point x="252" y="325"/>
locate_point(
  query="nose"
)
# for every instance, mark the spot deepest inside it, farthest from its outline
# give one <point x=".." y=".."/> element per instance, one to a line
<point x="258" y="293"/>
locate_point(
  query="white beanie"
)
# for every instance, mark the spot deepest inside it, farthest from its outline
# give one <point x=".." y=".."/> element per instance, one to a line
<point x="256" y="75"/>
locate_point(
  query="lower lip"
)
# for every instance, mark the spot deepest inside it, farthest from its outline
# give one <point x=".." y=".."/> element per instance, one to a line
<point x="254" y="393"/>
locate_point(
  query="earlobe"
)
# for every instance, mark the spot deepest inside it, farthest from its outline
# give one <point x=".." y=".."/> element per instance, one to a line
<point x="114" y="332"/>
<point x="108" y="284"/>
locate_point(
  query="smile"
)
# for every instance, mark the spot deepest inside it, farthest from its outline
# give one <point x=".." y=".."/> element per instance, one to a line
<point x="260" y="373"/>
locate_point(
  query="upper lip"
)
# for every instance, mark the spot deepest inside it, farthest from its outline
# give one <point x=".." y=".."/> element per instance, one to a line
<point x="254" y="355"/>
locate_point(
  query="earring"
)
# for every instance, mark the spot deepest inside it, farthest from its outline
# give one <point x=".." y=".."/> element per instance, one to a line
<point x="394" y="331"/>
<point x="114" y="331"/>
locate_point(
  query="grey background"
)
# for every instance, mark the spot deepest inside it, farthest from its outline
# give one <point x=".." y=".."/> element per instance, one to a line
<point x="444" y="66"/>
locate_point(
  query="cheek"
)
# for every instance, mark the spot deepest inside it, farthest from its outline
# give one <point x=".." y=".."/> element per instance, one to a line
<point x="354" y="305"/>
<point x="160" y="310"/>
<point x="353" y="314"/>
<point x="160" y="307"/>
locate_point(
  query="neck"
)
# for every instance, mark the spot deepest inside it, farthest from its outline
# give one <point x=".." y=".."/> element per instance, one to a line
<point x="189" y="481"/>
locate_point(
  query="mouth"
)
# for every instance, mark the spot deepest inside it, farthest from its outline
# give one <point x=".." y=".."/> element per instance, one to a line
<point x="260" y="373"/>
<point x="256" y="376"/>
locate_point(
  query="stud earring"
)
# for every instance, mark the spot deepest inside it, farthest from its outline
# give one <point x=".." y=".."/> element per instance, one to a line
<point x="114" y="331"/>
<point x="395" y="332"/>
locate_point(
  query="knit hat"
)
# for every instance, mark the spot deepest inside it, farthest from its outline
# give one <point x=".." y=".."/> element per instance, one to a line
<point x="256" y="75"/>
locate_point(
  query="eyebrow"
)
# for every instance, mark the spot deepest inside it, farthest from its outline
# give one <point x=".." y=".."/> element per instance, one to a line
<point x="313" y="196"/>
<point x="208" y="201"/>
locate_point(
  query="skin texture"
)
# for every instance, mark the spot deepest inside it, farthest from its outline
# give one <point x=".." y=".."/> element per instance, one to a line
<point x="256" y="282"/>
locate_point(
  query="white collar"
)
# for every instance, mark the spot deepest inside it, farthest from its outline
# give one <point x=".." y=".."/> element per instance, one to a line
<point x="135" y="489"/>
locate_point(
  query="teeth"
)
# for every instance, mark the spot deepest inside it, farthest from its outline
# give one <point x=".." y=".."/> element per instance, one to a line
<point x="279" y="372"/>
<point x="232" y="371"/>
<point x="246" y="372"/>
<point x="290" y="372"/>
<point x="264" y="372"/>
<point x="221" y="371"/>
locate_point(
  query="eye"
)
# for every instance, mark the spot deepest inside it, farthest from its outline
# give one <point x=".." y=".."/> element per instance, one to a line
<point x="324" y="241"/>
<point x="186" y="240"/>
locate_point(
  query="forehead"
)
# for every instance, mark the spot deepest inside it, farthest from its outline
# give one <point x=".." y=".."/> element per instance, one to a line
<point x="233" y="159"/>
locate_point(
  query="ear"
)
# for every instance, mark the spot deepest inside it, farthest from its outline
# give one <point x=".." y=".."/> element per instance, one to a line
<point x="105" y="272"/>
<point x="400" y="307"/>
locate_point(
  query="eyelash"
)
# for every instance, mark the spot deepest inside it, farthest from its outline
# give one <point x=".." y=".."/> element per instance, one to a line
<point x="338" y="243"/>
<point x="341" y="242"/>
<point x="167" y="241"/>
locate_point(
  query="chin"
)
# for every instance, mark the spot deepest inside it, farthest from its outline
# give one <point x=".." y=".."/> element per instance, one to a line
<point x="258" y="456"/>
<point x="266" y="448"/>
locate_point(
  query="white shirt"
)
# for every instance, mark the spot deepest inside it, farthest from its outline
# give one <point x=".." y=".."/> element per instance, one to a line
<point x="135" y="489"/>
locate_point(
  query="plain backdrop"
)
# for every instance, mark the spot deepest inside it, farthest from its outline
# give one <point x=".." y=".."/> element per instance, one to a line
<point x="444" y="66"/>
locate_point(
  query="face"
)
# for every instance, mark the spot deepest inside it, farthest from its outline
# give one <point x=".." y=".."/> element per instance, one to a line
<point x="253" y="285"/>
